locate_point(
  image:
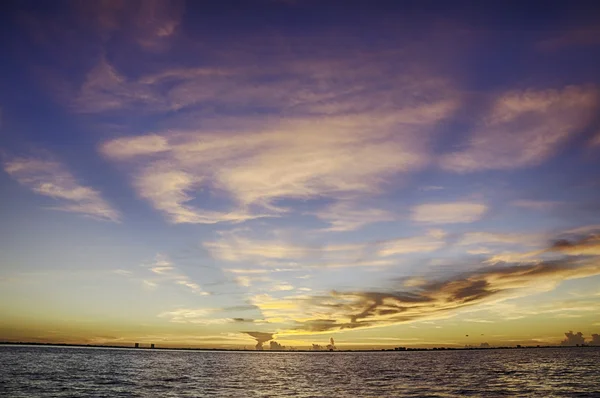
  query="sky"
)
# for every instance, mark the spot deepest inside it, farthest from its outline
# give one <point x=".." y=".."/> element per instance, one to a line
<point x="277" y="174"/>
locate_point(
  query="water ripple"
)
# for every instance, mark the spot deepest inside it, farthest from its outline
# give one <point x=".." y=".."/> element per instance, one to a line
<point x="92" y="372"/>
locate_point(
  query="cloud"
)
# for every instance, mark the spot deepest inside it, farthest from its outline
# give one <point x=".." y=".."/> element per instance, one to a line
<point x="235" y="247"/>
<point x="306" y="152"/>
<point x="149" y="284"/>
<point x="165" y="270"/>
<point x="195" y="316"/>
<point x="516" y="257"/>
<point x="586" y="246"/>
<point x="431" y="188"/>
<point x="331" y="345"/>
<point x="524" y="128"/>
<point x="275" y="346"/>
<point x="448" y="213"/>
<point x="50" y="178"/>
<point x="150" y="24"/>
<point x="540" y="205"/>
<point x="161" y="265"/>
<point x="595" y="141"/>
<point x="573" y="339"/>
<point x="583" y="36"/>
<point x="492" y="238"/>
<point x="247" y="281"/>
<point x="282" y="287"/>
<point x="351" y="310"/>
<point x="298" y="160"/>
<point x="239" y="248"/>
<point x="343" y="216"/>
<point x="243" y="320"/>
<point x="261" y="338"/>
<point x="247" y="271"/>
<point x="425" y="299"/>
<point x="167" y="191"/>
<point x="122" y="272"/>
<point x="415" y="244"/>
<point x="595" y="340"/>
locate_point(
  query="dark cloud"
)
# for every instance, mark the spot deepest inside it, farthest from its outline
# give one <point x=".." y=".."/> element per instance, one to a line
<point x="579" y="245"/>
<point x="243" y="320"/>
<point x="261" y="338"/>
<point x="275" y="346"/>
<point x="595" y="339"/>
<point x="573" y="339"/>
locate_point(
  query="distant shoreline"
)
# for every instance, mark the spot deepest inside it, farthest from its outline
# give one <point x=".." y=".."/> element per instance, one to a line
<point x="404" y="349"/>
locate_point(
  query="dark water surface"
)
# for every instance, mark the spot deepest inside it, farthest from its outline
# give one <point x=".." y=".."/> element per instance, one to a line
<point x="30" y="371"/>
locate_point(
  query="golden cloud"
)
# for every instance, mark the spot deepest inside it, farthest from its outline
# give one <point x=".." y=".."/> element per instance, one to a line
<point x="422" y="299"/>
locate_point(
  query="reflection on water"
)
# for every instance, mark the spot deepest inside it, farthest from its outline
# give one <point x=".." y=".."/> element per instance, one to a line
<point x="63" y="371"/>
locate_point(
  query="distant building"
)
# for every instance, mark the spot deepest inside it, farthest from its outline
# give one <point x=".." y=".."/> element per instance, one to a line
<point x="137" y="345"/>
<point x="152" y="345"/>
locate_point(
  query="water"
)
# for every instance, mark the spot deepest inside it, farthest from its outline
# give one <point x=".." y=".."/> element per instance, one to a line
<point x="30" y="371"/>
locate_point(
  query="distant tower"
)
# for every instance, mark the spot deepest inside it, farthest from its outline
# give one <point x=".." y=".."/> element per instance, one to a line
<point x="137" y="345"/>
<point x="152" y="345"/>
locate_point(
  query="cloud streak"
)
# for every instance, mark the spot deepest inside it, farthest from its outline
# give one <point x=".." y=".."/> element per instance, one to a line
<point x="448" y="213"/>
<point x="524" y="128"/>
<point x="52" y="179"/>
<point x="165" y="270"/>
<point x="273" y="254"/>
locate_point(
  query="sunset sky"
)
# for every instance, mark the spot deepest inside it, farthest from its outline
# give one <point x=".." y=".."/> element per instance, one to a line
<point x="222" y="174"/>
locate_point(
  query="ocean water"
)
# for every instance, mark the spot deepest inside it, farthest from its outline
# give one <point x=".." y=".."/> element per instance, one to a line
<point x="34" y="371"/>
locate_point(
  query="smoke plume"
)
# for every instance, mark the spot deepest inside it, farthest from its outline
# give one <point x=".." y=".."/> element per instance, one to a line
<point x="261" y="338"/>
<point x="331" y="345"/>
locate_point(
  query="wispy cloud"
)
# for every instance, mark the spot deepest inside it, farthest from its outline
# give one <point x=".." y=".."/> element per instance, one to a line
<point x="595" y="141"/>
<point x="48" y="177"/>
<point x="298" y="160"/>
<point x="448" y="213"/>
<point x="241" y="248"/>
<point x="310" y="151"/>
<point x="541" y="205"/>
<point x="416" y="244"/>
<point x="494" y="238"/>
<point x="582" y="36"/>
<point x="165" y="270"/>
<point x="344" y="216"/>
<point x="149" y="24"/>
<point x="524" y="128"/>
<point x="122" y="272"/>
<point x="197" y="316"/>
